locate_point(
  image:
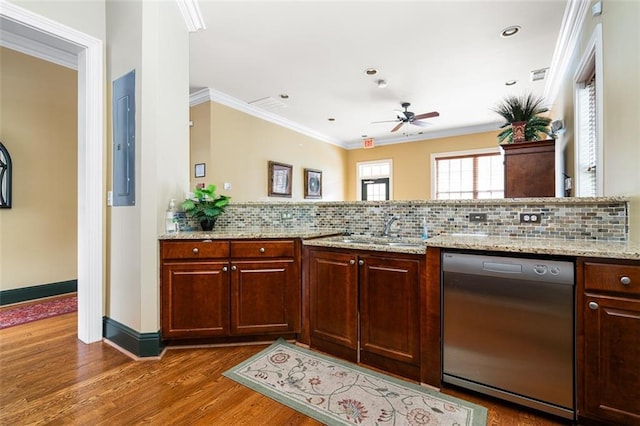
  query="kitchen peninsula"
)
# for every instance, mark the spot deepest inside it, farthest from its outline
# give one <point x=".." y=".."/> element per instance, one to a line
<point x="260" y="276"/>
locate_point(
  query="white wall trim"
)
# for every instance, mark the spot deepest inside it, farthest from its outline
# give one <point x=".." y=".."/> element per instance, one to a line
<point x="591" y="58"/>
<point x="38" y="50"/>
<point x="211" y="95"/>
<point x="90" y="163"/>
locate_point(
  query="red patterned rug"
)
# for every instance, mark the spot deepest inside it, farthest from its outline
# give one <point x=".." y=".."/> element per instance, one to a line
<point x="32" y="312"/>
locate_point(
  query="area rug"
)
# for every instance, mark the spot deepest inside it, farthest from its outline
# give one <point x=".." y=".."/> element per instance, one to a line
<point x="336" y="392"/>
<point x="32" y="312"/>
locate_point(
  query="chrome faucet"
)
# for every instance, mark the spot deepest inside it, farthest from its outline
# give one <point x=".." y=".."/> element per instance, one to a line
<point x="387" y="226"/>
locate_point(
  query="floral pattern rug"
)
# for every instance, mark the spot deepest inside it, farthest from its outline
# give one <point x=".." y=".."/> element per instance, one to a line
<point x="336" y="392"/>
<point x="35" y="311"/>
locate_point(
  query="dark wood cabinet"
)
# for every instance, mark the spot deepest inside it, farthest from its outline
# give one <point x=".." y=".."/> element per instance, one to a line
<point x="333" y="302"/>
<point x="389" y="313"/>
<point x="371" y="294"/>
<point x="530" y="169"/>
<point x="609" y="342"/>
<point x="229" y="288"/>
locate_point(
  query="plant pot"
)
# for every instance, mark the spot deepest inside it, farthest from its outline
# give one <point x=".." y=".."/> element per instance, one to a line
<point x="517" y="129"/>
<point x="207" y="224"/>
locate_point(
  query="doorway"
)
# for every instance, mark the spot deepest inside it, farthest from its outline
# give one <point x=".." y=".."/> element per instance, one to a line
<point x="31" y="29"/>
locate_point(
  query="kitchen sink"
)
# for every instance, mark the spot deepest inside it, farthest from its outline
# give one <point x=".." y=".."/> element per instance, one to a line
<point x="401" y="244"/>
<point x="380" y="242"/>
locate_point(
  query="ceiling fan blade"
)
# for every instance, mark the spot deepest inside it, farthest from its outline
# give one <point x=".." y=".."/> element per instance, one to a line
<point x="426" y="115"/>
<point x="398" y="126"/>
<point x="421" y="123"/>
<point x="385" y="121"/>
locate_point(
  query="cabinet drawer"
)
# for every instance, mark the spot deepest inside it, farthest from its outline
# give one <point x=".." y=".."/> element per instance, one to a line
<point x="611" y="277"/>
<point x="253" y="249"/>
<point x="196" y="249"/>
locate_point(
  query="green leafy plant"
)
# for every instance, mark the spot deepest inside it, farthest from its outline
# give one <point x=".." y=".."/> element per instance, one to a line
<point x="526" y="108"/>
<point x="205" y="204"/>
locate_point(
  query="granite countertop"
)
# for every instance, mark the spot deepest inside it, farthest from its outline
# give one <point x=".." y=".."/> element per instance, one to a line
<point x="331" y="237"/>
<point x="252" y="232"/>
<point x="615" y="250"/>
<point x="391" y="245"/>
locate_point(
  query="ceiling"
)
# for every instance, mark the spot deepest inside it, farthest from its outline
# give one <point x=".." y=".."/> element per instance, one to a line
<point x="445" y="56"/>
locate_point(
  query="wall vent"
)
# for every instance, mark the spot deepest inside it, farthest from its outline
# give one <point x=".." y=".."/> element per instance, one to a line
<point x="537" y="75"/>
<point x="268" y="103"/>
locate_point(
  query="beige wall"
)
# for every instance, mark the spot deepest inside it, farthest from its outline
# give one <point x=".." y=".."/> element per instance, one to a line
<point x="412" y="162"/>
<point x="241" y="146"/>
<point x="38" y="126"/>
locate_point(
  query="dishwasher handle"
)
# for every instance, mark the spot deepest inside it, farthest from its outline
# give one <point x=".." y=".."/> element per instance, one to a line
<point x="503" y="268"/>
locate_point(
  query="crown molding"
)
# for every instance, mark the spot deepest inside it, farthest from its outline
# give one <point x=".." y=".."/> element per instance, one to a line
<point x="574" y="16"/>
<point x="438" y="134"/>
<point x="191" y="15"/>
<point x="211" y="95"/>
<point x="37" y="49"/>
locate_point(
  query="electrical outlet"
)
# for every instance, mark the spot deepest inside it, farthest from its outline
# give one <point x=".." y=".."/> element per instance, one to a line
<point x="477" y="217"/>
<point x="530" y="217"/>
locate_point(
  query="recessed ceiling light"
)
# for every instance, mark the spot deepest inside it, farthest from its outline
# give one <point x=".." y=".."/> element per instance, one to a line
<point x="510" y="82"/>
<point x="331" y="119"/>
<point x="510" y="31"/>
<point x="371" y="71"/>
<point x="284" y="96"/>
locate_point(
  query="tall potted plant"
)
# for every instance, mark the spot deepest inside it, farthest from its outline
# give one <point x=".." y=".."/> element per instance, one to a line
<point x="205" y="206"/>
<point x="524" y="121"/>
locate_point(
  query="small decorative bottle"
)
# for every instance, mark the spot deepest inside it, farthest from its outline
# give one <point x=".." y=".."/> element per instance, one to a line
<point x="171" y="218"/>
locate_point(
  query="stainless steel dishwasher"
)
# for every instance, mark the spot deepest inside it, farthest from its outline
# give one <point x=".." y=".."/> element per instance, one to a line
<point x="508" y="329"/>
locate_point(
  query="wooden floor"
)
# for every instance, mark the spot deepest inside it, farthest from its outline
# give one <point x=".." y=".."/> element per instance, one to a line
<point x="47" y="376"/>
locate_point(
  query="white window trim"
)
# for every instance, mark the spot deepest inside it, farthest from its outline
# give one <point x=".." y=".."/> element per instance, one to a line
<point x="359" y="178"/>
<point x="468" y="152"/>
<point x="591" y="57"/>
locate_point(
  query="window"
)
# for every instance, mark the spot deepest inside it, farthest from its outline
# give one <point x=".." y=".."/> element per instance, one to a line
<point x="468" y="175"/>
<point x="588" y="117"/>
<point x="374" y="180"/>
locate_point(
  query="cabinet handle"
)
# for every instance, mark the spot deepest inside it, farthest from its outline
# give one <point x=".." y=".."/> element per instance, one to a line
<point x="625" y="280"/>
<point x="352" y="262"/>
<point x="261" y="250"/>
<point x="593" y="305"/>
<point x="195" y="250"/>
<point x="225" y="269"/>
<point x="360" y="262"/>
<point x="234" y="267"/>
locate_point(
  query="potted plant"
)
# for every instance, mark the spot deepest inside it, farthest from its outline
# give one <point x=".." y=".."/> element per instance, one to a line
<point x="205" y="206"/>
<point x="524" y="121"/>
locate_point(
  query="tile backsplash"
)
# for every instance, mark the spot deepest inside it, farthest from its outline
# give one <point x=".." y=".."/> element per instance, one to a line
<point x="603" y="219"/>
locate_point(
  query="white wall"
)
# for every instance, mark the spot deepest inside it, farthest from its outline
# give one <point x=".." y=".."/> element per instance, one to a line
<point x="151" y="38"/>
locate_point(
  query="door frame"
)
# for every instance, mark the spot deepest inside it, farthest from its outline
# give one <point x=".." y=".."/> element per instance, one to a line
<point x="91" y="203"/>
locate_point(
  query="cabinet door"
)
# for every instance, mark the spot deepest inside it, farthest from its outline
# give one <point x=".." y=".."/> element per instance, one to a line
<point x="265" y="297"/>
<point x="611" y="367"/>
<point x="389" y="314"/>
<point x="333" y="286"/>
<point x="195" y="299"/>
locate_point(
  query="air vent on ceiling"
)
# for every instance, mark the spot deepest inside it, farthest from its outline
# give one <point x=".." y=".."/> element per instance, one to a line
<point x="268" y="103"/>
<point x="537" y="75"/>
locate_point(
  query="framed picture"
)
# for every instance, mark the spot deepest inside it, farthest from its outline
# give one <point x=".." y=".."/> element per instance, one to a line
<point x="279" y="179"/>
<point x="200" y="170"/>
<point x="312" y="183"/>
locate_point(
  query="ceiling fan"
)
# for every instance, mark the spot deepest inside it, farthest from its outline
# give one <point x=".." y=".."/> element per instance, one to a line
<point x="407" y="116"/>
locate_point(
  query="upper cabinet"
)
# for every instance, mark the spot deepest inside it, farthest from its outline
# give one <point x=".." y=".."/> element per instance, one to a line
<point x="532" y="169"/>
